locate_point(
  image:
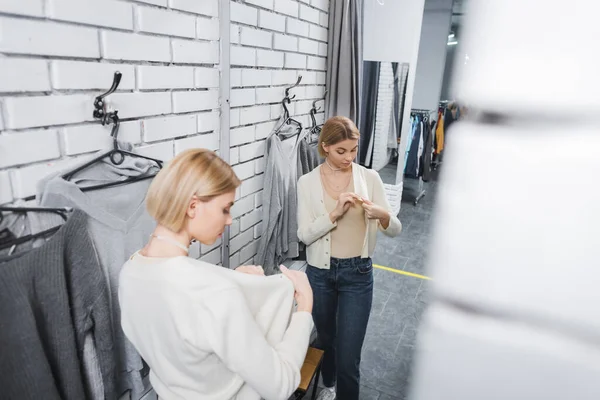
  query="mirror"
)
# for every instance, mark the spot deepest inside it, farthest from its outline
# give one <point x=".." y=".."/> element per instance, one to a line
<point x="382" y="106"/>
<point x="381" y="118"/>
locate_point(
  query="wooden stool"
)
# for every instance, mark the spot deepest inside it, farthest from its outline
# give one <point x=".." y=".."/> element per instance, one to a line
<point x="310" y="369"/>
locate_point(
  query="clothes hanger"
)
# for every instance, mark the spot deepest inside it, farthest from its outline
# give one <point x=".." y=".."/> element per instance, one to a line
<point x="11" y="241"/>
<point x="116" y="155"/>
<point x="287" y="120"/>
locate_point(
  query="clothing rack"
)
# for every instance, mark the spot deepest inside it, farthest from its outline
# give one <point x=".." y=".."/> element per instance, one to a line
<point x="420" y="111"/>
<point x="421" y="189"/>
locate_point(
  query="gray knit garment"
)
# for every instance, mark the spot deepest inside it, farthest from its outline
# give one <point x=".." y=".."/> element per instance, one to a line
<point x="119" y="226"/>
<point x="51" y="298"/>
<point x="279" y="238"/>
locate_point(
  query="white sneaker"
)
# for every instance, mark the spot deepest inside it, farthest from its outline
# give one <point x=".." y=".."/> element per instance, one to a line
<point x="327" y="394"/>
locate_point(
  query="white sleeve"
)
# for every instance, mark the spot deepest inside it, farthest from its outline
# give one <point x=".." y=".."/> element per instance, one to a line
<point x="234" y="336"/>
<point x="309" y="229"/>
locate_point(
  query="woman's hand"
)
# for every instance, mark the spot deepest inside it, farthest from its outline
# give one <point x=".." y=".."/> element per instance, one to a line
<point x="303" y="292"/>
<point x="373" y="211"/>
<point x="344" y="203"/>
<point x="251" y="270"/>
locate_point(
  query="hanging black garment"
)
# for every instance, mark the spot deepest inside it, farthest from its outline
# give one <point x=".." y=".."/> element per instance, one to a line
<point x="425" y="166"/>
<point x="412" y="164"/>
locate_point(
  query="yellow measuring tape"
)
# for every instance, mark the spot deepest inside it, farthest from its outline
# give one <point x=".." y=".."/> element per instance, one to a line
<point x="398" y="271"/>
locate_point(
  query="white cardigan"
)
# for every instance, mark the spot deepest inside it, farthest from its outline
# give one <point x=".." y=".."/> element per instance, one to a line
<point x="314" y="225"/>
<point x="211" y="333"/>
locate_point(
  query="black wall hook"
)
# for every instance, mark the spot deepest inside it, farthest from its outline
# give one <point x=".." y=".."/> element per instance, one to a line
<point x="287" y="90"/>
<point x="100" y="105"/>
<point x="117" y="157"/>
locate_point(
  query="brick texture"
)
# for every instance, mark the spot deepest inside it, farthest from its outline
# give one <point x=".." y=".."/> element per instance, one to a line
<point x="57" y="55"/>
<point x="275" y="43"/>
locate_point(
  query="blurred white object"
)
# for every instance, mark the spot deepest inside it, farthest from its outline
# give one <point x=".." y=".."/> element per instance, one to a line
<point x="515" y="262"/>
<point x="530" y="56"/>
<point x="473" y="357"/>
<point x="518" y="223"/>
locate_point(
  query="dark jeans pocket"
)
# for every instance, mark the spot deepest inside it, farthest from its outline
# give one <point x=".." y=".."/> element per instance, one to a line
<point x="364" y="266"/>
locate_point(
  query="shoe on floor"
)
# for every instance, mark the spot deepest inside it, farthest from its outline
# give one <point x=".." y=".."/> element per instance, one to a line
<point x="327" y="394"/>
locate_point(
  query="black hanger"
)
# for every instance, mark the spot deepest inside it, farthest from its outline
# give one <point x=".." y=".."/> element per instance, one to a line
<point x="116" y="155"/>
<point x="287" y="119"/>
<point x="13" y="241"/>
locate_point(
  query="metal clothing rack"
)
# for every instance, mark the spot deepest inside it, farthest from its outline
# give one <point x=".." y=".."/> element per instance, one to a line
<point x="421" y="190"/>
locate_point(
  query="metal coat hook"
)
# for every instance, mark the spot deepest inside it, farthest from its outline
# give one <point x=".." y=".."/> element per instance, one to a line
<point x="117" y="157"/>
<point x="100" y="105"/>
<point x="287" y="90"/>
<point x="314" y="105"/>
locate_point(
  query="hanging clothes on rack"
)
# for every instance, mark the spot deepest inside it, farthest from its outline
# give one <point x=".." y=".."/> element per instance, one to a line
<point x="412" y="158"/>
<point x="425" y="164"/>
<point x="51" y="298"/>
<point x="439" y="133"/>
<point x="119" y="225"/>
<point x="420" y="147"/>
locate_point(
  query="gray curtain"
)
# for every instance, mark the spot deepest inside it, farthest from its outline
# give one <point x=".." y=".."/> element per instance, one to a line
<point x="344" y="59"/>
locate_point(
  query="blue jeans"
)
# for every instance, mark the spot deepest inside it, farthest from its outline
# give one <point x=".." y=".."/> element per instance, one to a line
<point x="343" y="296"/>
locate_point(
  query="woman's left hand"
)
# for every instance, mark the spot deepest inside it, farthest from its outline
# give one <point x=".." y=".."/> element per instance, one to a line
<point x="373" y="211"/>
<point x="251" y="270"/>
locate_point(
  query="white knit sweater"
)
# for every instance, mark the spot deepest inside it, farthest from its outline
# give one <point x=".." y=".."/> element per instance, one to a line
<point x="314" y="225"/>
<point x="212" y="333"/>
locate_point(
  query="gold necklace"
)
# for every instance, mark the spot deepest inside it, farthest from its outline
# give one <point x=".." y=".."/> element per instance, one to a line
<point x="335" y="188"/>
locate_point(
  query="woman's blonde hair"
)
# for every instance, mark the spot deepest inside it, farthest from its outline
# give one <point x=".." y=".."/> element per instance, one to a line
<point x="198" y="172"/>
<point x="335" y="130"/>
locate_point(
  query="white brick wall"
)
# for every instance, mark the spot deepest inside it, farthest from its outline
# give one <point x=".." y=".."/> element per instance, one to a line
<point x="275" y="41"/>
<point x="385" y="100"/>
<point x="57" y="55"/>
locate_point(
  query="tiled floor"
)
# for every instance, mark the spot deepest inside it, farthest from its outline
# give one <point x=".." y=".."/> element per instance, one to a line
<point x="399" y="300"/>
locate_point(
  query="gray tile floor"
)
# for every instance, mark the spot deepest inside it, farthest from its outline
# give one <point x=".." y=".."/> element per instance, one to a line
<point x="399" y="300"/>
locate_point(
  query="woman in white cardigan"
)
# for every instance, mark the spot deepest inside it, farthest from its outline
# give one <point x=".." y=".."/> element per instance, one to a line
<point x="208" y="332"/>
<point x="341" y="206"/>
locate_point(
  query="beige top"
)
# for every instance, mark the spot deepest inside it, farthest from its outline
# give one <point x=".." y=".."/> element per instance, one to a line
<point x="348" y="237"/>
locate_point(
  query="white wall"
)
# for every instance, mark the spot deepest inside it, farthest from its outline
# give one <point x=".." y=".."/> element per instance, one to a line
<point x="432" y="56"/>
<point x="392" y="30"/>
<point x="57" y="55"/>
<point x="391" y="33"/>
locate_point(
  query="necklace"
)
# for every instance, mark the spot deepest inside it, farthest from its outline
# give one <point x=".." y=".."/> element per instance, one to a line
<point x="333" y="187"/>
<point x="172" y="241"/>
<point x="330" y="167"/>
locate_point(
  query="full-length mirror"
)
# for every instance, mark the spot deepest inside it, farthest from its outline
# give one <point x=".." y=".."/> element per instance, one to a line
<point x="383" y="97"/>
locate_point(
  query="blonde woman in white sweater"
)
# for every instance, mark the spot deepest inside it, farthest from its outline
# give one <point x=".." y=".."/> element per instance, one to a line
<point x="341" y="206"/>
<point x="205" y="331"/>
